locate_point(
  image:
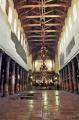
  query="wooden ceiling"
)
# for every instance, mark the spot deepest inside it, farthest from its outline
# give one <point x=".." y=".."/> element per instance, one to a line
<point x="54" y="14"/>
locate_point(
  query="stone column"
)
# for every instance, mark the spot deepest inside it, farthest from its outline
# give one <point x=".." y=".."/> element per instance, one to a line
<point x="74" y="76"/>
<point x="65" y="78"/>
<point x="17" y="79"/>
<point x="20" y="79"/>
<point x="78" y="71"/>
<point x="61" y="79"/>
<point x="23" y="79"/>
<point x="67" y="75"/>
<point x="13" y="78"/>
<point x="64" y="83"/>
<point x="1" y="53"/>
<point x="6" y="76"/>
<point x="70" y="78"/>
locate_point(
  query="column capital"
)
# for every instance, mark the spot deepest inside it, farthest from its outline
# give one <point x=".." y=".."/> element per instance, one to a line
<point x="8" y="58"/>
<point x="77" y="57"/>
<point x="1" y="51"/>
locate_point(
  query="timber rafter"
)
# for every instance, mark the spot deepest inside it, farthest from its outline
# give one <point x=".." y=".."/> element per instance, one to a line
<point x="55" y="12"/>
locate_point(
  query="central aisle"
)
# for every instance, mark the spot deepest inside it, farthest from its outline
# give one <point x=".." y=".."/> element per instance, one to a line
<point x="41" y="105"/>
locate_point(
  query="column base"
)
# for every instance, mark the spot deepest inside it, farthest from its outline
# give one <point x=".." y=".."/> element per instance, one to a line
<point x="5" y="91"/>
<point x="17" y="88"/>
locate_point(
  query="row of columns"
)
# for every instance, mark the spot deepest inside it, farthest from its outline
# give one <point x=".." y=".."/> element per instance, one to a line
<point x="13" y="78"/>
<point x="70" y="75"/>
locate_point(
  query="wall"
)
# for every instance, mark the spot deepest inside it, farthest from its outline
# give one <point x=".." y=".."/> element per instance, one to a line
<point x="69" y="39"/>
<point x="48" y="63"/>
<point x="29" y="61"/>
<point x="56" y="63"/>
<point x="5" y="40"/>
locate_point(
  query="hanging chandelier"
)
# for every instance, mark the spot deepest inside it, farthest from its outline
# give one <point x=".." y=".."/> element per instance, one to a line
<point x="43" y="50"/>
<point x="43" y="53"/>
<point x="43" y="67"/>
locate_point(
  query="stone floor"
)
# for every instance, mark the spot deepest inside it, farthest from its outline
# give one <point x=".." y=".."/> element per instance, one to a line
<point x="44" y="105"/>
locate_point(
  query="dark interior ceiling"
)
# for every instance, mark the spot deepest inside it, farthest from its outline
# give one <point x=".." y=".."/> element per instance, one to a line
<point x="54" y="14"/>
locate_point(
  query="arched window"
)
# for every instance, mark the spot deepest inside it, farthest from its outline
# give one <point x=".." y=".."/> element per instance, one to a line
<point x="66" y="31"/>
<point x="70" y="23"/>
<point x="19" y="33"/>
<point x="74" y="12"/>
<point x="15" y="25"/>
<point x="21" y="38"/>
<point x="10" y="15"/>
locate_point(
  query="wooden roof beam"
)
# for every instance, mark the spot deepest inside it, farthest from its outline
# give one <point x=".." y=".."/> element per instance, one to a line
<point x="47" y="21"/>
<point x="45" y="16"/>
<point x="49" y="12"/>
<point x="39" y="6"/>
<point x="48" y="1"/>
<point x="39" y="36"/>
<point x="19" y="2"/>
<point x="34" y="25"/>
<point x="57" y="31"/>
<point x="40" y="43"/>
<point x="35" y="1"/>
<point x="65" y="1"/>
<point x="47" y="40"/>
<point x="24" y="13"/>
<point x="24" y="1"/>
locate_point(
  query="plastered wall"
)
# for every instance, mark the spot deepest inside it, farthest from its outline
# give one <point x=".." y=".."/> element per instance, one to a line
<point x="68" y="45"/>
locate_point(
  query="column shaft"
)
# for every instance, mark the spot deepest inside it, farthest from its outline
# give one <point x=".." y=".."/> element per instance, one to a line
<point x="20" y="79"/>
<point x="74" y="76"/>
<point x="64" y="83"/>
<point x="13" y="78"/>
<point x="6" y="76"/>
<point x="70" y="78"/>
<point x="1" y="53"/>
<point x="23" y="79"/>
<point x="78" y="71"/>
<point x="17" y="79"/>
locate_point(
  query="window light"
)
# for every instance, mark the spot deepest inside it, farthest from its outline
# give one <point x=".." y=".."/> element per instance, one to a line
<point x="15" y="25"/>
<point x="74" y="12"/>
<point x="70" y="23"/>
<point x="66" y="32"/>
<point x="10" y="15"/>
<point x="18" y="33"/>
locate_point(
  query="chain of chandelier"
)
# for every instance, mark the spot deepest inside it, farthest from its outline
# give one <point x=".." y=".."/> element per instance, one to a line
<point x="43" y="50"/>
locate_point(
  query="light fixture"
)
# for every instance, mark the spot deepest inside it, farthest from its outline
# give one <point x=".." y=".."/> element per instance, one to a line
<point x="43" y="53"/>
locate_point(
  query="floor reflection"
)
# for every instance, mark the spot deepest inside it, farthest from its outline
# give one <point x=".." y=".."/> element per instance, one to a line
<point x="45" y="98"/>
<point x="53" y="105"/>
<point x="31" y="104"/>
<point x="57" y="98"/>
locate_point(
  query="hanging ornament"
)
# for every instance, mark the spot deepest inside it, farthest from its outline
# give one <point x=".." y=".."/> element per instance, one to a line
<point x="43" y="53"/>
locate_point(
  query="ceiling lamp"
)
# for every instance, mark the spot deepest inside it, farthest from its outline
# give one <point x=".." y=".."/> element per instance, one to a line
<point x="43" y="53"/>
<point x="43" y="67"/>
<point x="43" y="70"/>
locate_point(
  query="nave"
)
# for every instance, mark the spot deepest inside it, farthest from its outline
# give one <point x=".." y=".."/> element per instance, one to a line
<point x="42" y="105"/>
